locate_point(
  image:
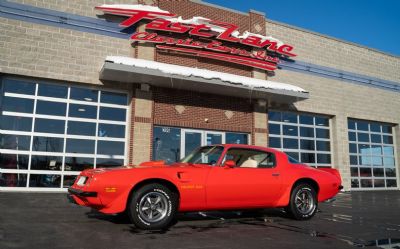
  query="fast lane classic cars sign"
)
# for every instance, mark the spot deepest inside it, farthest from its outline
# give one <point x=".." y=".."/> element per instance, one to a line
<point x="202" y="37"/>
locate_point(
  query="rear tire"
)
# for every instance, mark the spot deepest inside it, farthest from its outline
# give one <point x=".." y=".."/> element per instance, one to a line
<point x="303" y="202"/>
<point x="153" y="207"/>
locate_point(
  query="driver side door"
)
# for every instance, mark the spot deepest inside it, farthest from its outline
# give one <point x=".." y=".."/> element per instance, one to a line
<point x="244" y="186"/>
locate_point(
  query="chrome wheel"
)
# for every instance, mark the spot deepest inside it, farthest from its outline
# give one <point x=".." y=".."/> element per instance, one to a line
<point x="153" y="207"/>
<point x="304" y="201"/>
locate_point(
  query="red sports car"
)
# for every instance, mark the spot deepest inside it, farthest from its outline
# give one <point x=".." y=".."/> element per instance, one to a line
<point x="217" y="177"/>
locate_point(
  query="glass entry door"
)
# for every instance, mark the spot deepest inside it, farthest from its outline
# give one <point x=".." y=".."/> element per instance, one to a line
<point x="192" y="139"/>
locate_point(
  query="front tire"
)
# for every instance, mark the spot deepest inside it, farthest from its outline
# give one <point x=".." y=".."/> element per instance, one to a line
<point x="303" y="202"/>
<point x="153" y="207"/>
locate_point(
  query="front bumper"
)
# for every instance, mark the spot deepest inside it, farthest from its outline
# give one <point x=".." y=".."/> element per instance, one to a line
<point x="81" y="193"/>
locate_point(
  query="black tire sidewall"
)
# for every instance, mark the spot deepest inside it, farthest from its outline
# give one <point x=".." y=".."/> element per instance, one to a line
<point x="294" y="212"/>
<point x="134" y="207"/>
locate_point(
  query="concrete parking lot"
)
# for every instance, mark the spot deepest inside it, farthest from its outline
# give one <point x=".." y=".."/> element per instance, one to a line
<point x="48" y="220"/>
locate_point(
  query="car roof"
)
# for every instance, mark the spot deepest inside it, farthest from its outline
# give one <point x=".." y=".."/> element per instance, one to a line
<point x="254" y="147"/>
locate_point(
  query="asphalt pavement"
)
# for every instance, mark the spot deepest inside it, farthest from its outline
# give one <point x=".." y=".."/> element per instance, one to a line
<point x="49" y="220"/>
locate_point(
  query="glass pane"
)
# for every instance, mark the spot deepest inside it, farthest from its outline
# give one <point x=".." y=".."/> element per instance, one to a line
<point x="46" y="163"/>
<point x="18" y="86"/>
<point x="353" y="148"/>
<point x="307" y="144"/>
<point x="108" y="162"/>
<point x="391" y="183"/>
<point x="68" y="181"/>
<point x="48" y="144"/>
<point x="15" y="123"/>
<point x="363" y="137"/>
<point x="322" y="133"/>
<point x="289" y="143"/>
<point x="353" y="160"/>
<point x="51" y="108"/>
<point x="81" y="128"/>
<point x="306" y="119"/>
<point x="274" y="129"/>
<point x="375" y="127"/>
<point x="53" y="91"/>
<point x="376" y="161"/>
<point x="289" y="117"/>
<point x="82" y="111"/>
<point x="116" y="114"/>
<point x="307" y="158"/>
<point x="387" y="129"/>
<point x="375" y="138"/>
<point x="13" y="180"/>
<point x="379" y="183"/>
<point x="388" y="150"/>
<point x="324" y="158"/>
<point x="274" y="116"/>
<point x="167" y="143"/>
<point x="362" y="126"/>
<point x="49" y="126"/>
<point x="83" y="94"/>
<point x="213" y="138"/>
<point x="352" y="136"/>
<point x="289" y="130"/>
<point x="378" y="172"/>
<point x="388" y="161"/>
<point x="78" y="163"/>
<point x="354" y="171"/>
<point x="110" y="148"/>
<point x="366" y="183"/>
<point x="12" y="104"/>
<point x="306" y="132"/>
<point x="365" y="172"/>
<point x="111" y="130"/>
<point x="387" y="139"/>
<point x="390" y="172"/>
<point x="294" y="155"/>
<point x="274" y="142"/>
<point x="365" y="160"/>
<point x="192" y="141"/>
<point x="321" y="121"/>
<point x="376" y="149"/>
<point x="323" y="146"/>
<point x="15" y="142"/>
<point x="364" y="149"/>
<point x="13" y="161"/>
<point x="351" y="125"/>
<point x="114" y="98"/>
<point x="236" y="138"/>
<point x="80" y="146"/>
<point x="355" y="183"/>
<point x="46" y="181"/>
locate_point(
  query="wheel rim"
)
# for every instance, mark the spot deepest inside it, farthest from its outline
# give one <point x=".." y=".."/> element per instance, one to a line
<point x="153" y="207"/>
<point x="304" y="201"/>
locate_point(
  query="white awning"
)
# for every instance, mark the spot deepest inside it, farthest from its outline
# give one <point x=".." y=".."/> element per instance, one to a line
<point x="132" y="70"/>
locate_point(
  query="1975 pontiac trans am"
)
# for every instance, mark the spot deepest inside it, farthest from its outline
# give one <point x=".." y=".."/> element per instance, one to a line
<point x="217" y="177"/>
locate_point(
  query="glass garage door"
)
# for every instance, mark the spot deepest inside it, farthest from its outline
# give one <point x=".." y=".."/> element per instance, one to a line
<point x="49" y="133"/>
<point x="372" y="160"/>
<point x="304" y="137"/>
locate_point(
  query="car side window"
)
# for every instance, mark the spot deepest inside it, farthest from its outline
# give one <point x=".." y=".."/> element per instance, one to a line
<point x="248" y="158"/>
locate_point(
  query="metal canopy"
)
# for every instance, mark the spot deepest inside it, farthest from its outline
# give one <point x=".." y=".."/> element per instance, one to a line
<point x="131" y="74"/>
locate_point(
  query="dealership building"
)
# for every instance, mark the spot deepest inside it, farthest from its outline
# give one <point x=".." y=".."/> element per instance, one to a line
<point x="90" y="84"/>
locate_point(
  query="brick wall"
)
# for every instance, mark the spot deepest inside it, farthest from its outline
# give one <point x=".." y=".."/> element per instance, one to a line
<point x="197" y="107"/>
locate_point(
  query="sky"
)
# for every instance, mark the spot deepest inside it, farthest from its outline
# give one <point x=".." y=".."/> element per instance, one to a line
<point x="372" y="23"/>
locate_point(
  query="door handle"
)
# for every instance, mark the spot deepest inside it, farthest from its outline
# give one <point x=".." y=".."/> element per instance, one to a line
<point x="275" y="174"/>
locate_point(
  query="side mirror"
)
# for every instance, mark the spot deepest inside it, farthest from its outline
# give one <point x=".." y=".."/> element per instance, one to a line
<point x="230" y="164"/>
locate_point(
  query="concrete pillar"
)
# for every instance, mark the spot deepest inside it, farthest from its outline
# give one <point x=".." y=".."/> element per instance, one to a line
<point x="340" y="149"/>
<point x="260" y="124"/>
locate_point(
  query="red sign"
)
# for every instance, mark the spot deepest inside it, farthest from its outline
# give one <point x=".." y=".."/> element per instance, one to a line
<point x="219" y="40"/>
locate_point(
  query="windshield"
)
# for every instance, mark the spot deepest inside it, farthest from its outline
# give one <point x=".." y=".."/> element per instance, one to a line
<point x="204" y="155"/>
